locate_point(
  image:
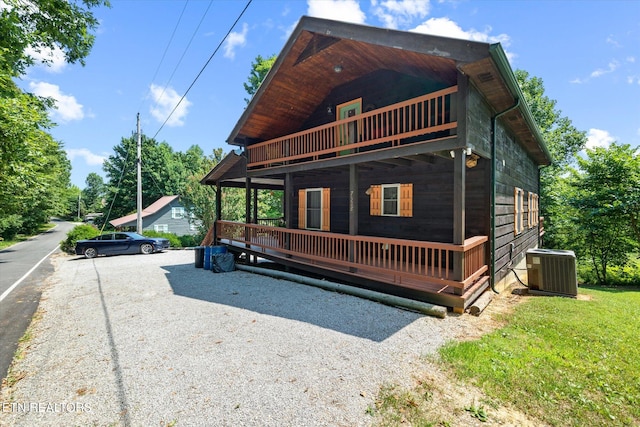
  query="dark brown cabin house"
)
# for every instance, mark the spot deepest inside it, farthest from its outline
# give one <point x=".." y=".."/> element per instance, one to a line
<point x="409" y="162"/>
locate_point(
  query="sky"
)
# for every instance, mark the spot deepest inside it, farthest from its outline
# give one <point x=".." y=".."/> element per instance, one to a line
<point x="149" y="53"/>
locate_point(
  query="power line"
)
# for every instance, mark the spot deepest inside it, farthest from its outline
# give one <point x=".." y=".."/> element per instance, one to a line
<point x="203" y="67"/>
<point x="184" y="52"/>
<point x="166" y="49"/>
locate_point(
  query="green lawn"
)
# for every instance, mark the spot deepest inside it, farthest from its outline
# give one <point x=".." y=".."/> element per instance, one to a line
<point x="567" y="362"/>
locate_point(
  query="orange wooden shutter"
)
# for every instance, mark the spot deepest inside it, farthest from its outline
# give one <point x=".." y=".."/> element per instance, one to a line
<point x="302" y="208"/>
<point x="375" y="200"/>
<point x="326" y="209"/>
<point x="406" y="199"/>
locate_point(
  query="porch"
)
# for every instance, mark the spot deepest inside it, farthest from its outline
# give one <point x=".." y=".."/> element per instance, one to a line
<point x="440" y="273"/>
<point x="428" y="117"/>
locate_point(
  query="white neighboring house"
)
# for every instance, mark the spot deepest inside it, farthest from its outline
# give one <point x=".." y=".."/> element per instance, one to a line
<point x="167" y="214"/>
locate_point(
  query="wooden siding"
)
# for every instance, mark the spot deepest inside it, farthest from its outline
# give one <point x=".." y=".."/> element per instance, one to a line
<point x="432" y="206"/>
<point x="179" y="227"/>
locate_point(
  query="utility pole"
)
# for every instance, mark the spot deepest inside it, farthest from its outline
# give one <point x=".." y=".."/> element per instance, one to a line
<point x="139" y="193"/>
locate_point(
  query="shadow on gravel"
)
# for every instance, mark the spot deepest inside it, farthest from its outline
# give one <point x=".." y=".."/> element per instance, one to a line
<point x="342" y="313"/>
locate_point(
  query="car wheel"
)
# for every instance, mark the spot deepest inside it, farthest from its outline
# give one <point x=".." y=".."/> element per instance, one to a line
<point x="146" y="248"/>
<point x="90" y="253"/>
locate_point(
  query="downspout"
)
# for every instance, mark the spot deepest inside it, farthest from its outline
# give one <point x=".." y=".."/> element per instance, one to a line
<point x="492" y="257"/>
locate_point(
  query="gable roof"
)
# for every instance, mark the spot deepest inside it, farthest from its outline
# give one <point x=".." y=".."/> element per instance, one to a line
<point x="149" y="210"/>
<point x="303" y="76"/>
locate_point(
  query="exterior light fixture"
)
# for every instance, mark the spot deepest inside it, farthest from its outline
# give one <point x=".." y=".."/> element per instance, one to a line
<point x="337" y="68"/>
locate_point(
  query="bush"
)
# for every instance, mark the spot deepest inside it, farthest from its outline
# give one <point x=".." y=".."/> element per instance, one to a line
<point x="189" y="241"/>
<point x="173" y="239"/>
<point x="79" y="232"/>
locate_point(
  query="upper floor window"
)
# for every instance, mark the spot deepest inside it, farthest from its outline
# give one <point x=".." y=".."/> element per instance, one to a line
<point x="177" y="213"/>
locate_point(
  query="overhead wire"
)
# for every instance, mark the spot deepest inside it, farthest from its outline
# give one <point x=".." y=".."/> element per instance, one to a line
<point x="203" y="67"/>
<point x="166" y="49"/>
<point x="184" y="52"/>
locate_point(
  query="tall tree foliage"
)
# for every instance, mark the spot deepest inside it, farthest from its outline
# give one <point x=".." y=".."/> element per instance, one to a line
<point x="34" y="170"/>
<point x="605" y="198"/>
<point x="564" y="142"/>
<point x="259" y="69"/>
<point x="162" y="174"/>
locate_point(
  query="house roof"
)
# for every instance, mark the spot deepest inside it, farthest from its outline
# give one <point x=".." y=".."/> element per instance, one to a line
<point x="149" y="210"/>
<point x="303" y="76"/>
<point x="232" y="172"/>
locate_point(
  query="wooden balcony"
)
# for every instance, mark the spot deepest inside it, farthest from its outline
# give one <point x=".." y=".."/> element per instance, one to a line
<point x="445" y="273"/>
<point x="386" y="127"/>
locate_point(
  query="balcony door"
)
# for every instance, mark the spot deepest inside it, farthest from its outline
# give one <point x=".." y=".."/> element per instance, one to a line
<point x="348" y="132"/>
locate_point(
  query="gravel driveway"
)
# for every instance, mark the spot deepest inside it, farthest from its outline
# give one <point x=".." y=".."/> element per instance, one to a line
<point x="151" y="340"/>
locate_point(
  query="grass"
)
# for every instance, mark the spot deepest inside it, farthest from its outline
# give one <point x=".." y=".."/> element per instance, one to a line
<point x="22" y="237"/>
<point x="558" y="361"/>
<point x="563" y="361"/>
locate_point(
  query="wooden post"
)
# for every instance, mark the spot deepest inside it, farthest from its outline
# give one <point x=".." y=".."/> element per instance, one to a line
<point x="459" y="173"/>
<point x="353" y="210"/>
<point x="218" y="211"/>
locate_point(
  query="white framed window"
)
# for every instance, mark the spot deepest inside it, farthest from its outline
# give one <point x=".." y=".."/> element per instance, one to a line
<point x="390" y="199"/>
<point x="161" y="228"/>
<point x="518" y="210"/>
<point x="313" y="208"/>
<point x="177" y="213"/>
<point x="533" y="210"/>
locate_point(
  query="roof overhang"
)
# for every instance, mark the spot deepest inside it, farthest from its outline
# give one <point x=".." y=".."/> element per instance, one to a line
<point x="303" y="76"/>
<point x="232" y="172"/>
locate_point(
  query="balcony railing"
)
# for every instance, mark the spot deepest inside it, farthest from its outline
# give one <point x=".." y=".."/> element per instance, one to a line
<point x="384" y="127"/>
<point x="397" y="260"/>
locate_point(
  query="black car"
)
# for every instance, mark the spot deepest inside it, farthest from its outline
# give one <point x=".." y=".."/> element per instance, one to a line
<point x="120" y="243"/>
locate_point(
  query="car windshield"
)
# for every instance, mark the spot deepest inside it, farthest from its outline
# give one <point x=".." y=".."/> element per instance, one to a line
<point x="135" y="236"/>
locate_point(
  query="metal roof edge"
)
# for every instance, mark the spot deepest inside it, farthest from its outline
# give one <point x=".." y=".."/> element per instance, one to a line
<point x="500" y="59"/>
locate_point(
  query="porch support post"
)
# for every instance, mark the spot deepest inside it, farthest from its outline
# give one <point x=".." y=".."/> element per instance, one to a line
<point x="247" y="215"/>
<point x="218" y="211"/>
<point x="255" y="205"/>
<point x="288" y="210"/>
<point x="353" y="209"/>
<point x="459" y="173"/>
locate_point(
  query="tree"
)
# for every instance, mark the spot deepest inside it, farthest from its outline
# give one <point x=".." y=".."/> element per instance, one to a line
<point x="564" y="142"/>
<point x="200" y="198"/>
<point x="34" y="170"/>
<point x="162" y="174"/>
<point x="606" y="205"/>
<point x="37" y="27"/>
<point x="259" y="69"/>
<point x="94" y="192"/>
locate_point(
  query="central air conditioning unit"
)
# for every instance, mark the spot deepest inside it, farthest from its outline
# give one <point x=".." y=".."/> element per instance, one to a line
<point x="552" y="271"/>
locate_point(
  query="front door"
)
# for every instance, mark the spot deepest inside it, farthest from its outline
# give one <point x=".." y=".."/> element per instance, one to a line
<point x="348" y="132"/>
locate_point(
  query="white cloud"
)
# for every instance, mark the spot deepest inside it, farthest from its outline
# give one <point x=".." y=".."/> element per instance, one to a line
<point x="611" y="67"/>
<point x="90" y="158"/>
<point x="165" y="100"/>
<point x="66" y="107"/>
<point x="235" y="40"/>
<point x="395" y="13"/>
<point x="53" y="60"/>
<point x="598" y="138"/>
<point x="339" y="10"/>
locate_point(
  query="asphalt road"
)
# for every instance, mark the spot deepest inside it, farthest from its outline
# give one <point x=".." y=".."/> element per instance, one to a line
<point x="23" y="270"/>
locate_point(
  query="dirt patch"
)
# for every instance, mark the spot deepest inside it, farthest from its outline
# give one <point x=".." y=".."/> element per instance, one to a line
<point x="443" y="400"/>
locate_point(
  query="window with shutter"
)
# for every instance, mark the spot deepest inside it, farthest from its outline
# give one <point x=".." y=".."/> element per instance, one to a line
<point x="314" y="209"/>
<point x="391" y="200"/>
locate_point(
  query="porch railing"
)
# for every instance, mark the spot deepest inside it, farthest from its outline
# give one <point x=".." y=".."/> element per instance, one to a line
<point x="447" y="264"/>
<point x="387" y="126"/>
